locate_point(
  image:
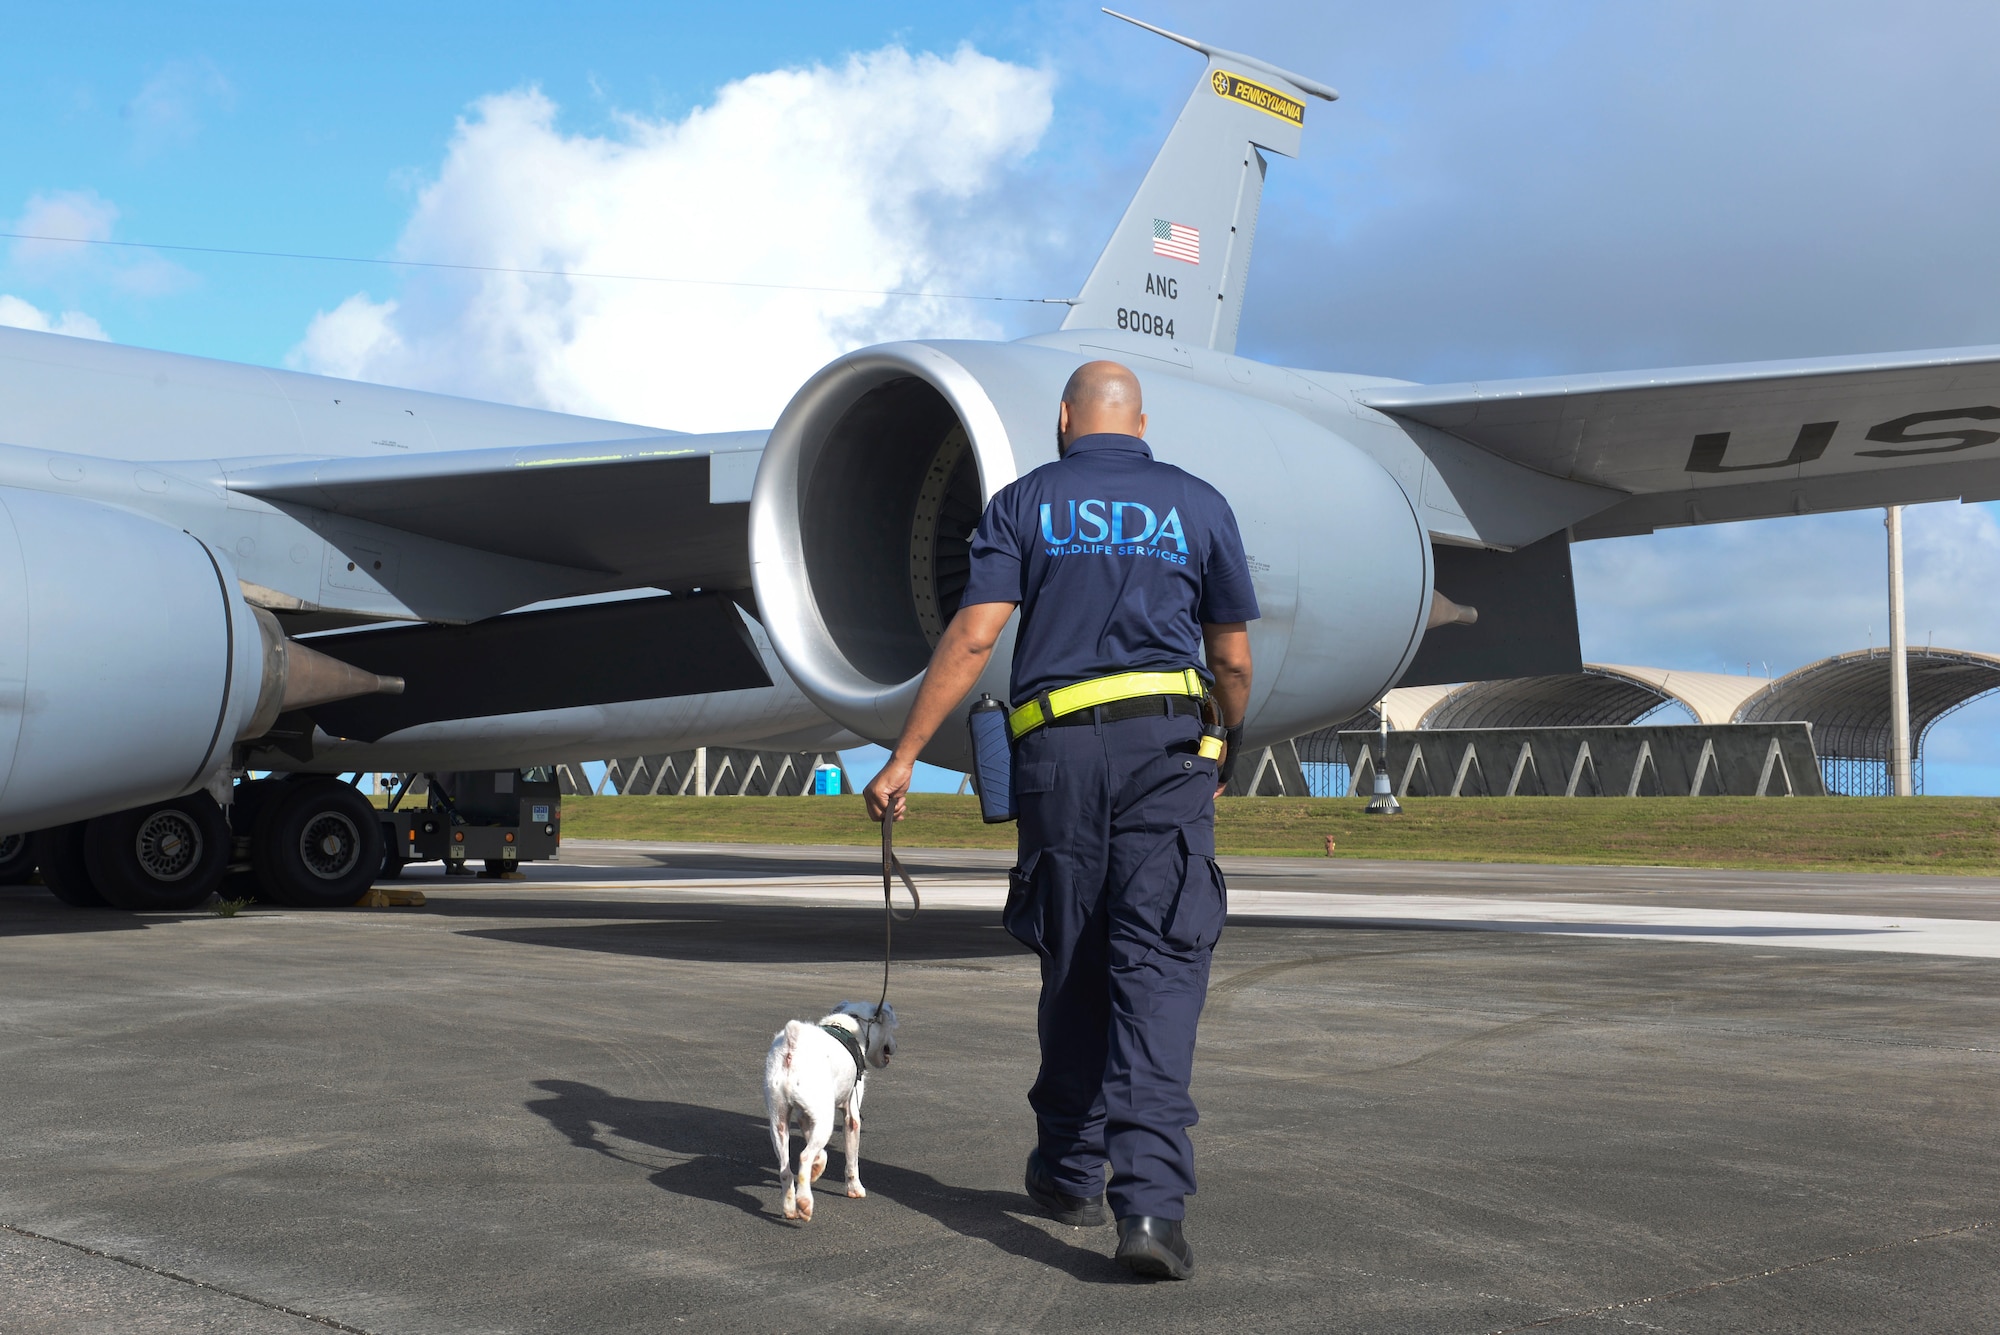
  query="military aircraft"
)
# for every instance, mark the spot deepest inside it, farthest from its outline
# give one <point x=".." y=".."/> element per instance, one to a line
<point x="208" y="569"/>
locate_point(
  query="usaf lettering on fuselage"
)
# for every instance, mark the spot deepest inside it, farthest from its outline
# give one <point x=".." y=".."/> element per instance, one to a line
<point x="1107" y="528"/>
<point x="1709" y="449"/>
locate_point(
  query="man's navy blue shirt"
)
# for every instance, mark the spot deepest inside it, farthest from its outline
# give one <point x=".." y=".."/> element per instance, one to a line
<point x="1116" y="559"/>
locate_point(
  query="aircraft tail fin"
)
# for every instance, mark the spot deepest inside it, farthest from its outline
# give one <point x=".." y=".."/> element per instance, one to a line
<point x="1176" y="265"/>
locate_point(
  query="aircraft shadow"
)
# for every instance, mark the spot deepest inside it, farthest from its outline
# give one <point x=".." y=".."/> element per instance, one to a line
<point x="755" y="934"/>
<point x="725" y="1157"/>
<point x="29" y="910"/>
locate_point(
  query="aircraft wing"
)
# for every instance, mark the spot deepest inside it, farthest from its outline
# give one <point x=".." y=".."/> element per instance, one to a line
<point x="666" y="511"/>
<point x="1706" y="444"/>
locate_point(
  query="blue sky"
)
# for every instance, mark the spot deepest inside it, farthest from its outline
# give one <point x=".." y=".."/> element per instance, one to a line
<point x="1504" y="189"/>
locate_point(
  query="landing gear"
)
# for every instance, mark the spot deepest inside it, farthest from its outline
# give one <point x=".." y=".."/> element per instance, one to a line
<point x="318" y="844"/>
<point x="17" y="862"/>
<point x="166" y="857"/>
<point x="58" y="854"/>
<point x="252" y="795"/>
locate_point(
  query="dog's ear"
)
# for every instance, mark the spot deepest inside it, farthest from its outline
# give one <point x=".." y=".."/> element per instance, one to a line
<point x="886" y="1014"/>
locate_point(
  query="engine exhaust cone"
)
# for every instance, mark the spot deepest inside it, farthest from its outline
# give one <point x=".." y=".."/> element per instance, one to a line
<point x="312" y="678"/>
<point x="298" y="677"/>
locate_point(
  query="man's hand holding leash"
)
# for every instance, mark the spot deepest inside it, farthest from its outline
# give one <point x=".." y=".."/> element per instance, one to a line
<point x="955" y="667"/>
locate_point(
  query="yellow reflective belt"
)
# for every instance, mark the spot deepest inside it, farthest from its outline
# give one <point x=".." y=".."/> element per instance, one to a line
<point x="1102" y="691"/>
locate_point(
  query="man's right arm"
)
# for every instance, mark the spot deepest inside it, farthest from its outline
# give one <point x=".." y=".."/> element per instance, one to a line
<point x="954" y="670"/>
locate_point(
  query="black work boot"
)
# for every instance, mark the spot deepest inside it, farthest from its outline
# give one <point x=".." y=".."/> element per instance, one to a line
<point x="1154" y="1247"/>
<point x="1059" y="1205"/>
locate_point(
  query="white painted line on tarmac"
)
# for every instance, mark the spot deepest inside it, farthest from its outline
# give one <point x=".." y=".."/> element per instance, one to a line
<point x="1637" y="922"/>
<point x="1624" y="922"/>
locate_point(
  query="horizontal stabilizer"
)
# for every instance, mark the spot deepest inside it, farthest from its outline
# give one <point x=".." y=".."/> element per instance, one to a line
<point x="1706" y="444"/>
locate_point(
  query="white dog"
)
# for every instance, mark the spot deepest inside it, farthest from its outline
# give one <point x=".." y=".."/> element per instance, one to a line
<point x="815" y="1072"/>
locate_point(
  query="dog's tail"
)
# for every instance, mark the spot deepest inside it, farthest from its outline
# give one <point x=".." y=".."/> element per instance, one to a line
<point x="792" y="1031"/>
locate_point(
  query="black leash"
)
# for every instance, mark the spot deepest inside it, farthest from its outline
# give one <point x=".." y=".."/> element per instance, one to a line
<point x="892" y="866"/>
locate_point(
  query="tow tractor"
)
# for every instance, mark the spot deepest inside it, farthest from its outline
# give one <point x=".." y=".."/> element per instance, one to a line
<point x="500" y="818"/>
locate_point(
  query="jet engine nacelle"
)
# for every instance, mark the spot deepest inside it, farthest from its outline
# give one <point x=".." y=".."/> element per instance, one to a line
<point x="129" y="662"/>
<point x="880" y="466"/>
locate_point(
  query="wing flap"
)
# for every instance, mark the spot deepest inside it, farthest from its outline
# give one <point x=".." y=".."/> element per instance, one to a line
<point x="559" y="658"/>
<point x="667" y="511"/>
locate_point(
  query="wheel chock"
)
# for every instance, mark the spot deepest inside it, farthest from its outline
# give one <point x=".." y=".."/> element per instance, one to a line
<point x="386" y="899"/>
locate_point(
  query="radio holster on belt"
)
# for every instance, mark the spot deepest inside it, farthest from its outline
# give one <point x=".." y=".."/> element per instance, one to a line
<point x="992" y="760"/>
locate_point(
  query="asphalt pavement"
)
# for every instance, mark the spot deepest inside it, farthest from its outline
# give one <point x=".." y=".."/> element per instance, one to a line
<point x="535" y="1106"/>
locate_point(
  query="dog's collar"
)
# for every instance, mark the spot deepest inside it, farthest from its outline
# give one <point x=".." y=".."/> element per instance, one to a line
<point x="848" y="1039"/>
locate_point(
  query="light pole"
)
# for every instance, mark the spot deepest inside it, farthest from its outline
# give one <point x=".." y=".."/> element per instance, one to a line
<point x="1899" y="663"/>
<point x="1384" y="802"/>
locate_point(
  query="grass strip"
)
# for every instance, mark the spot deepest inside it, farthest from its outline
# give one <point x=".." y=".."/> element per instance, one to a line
<point x="1954" y="835"/>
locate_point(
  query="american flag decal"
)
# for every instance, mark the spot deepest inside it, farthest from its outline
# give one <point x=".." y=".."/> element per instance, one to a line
<point x="1176" y="241"/>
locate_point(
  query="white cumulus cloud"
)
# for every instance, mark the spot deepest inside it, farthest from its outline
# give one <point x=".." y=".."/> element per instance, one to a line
<point x="54" y="222"/>
<point x="356" y="340"/>
<point x="18" y="314"/>
<point x="885" y="172"/>
<point x="53" y="243"/>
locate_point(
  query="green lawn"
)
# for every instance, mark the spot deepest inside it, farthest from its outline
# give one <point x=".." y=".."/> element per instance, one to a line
<point x="1959" y="835"/>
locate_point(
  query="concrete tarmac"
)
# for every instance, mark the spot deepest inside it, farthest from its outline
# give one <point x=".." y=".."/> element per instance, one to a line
<point x="535" y="1106"/>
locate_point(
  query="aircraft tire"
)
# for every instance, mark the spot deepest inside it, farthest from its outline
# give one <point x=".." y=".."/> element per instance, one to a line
<point x="17" y="859"/>
<point x="392" y="865"/>
<point x="59" y="857"/>
<point x="165" y="858"/>
<point x="318" y="845"/>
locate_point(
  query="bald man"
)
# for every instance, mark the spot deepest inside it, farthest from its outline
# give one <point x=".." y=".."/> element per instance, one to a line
<point x="1132" y="660"/>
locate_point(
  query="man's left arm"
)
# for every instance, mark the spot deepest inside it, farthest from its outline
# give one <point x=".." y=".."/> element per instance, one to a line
<point x="955" y="667"/>
<point x="1228" y="605"/>
<point x="1226" y="648"/>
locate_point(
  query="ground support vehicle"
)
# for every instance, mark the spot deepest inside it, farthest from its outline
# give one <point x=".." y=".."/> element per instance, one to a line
<point x="495" y="819"/>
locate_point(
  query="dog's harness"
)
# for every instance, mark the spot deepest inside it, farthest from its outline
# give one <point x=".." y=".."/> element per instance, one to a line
<point x="848" y="1039"/>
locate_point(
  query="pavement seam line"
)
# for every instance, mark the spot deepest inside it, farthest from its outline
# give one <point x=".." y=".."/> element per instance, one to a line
<point x="1693" y="1289"/>
<point x="188" y="1280"/>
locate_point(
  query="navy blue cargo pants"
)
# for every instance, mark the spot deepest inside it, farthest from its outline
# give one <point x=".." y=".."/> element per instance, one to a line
<point x="1118" y="892"/>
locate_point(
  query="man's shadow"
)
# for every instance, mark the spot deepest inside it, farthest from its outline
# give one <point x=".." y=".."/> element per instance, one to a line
<point x="725" y="1155"/>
